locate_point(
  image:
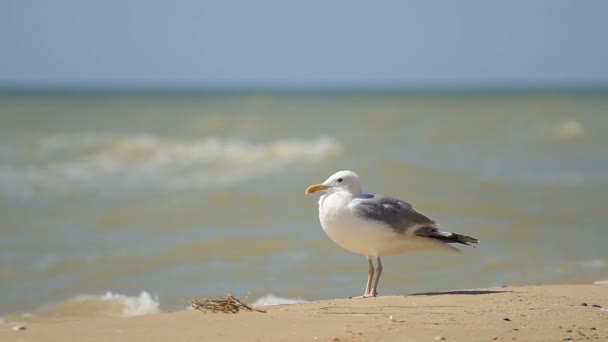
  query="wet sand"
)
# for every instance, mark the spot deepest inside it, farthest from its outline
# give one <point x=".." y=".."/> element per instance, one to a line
<point x="530" y="313"/>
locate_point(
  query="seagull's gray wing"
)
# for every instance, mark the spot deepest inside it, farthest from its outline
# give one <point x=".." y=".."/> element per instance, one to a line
<point x="403" y="218"/>
<point x="397" y="214"/>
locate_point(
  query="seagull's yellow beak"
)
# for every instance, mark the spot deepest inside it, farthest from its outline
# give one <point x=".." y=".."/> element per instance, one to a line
<point x="314" y="188"/>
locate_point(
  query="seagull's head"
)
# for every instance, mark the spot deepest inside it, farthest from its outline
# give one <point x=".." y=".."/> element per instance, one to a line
<point x="340" y="181"/>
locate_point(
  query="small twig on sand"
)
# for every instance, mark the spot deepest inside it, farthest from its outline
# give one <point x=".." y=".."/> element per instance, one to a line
<point x="230" y="304"/>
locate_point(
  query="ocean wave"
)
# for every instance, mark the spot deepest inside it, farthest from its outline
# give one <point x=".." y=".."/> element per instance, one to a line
<point x="127" y="306"/>
<point x="565" y="130"/>
<point x="105" y="305"/>
<point x="594" y="263"/>
<point x="275" y="300"/>
<point x="108" y="162"/>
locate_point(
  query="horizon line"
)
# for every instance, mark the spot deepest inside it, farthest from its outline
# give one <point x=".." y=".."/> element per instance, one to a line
<point x="302" y="87"/>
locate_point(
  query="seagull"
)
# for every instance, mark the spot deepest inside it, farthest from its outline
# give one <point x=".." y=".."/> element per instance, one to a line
<point x="375" y="225"/>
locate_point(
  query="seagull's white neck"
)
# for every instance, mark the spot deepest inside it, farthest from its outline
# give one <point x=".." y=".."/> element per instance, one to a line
<point x="342" y="193"/>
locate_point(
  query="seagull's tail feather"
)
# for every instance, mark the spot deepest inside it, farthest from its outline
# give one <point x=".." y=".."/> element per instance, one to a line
<point x="447" y="237"/>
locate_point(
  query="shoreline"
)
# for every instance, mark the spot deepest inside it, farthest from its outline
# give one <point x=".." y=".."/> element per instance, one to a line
<point x="526" y="313"/>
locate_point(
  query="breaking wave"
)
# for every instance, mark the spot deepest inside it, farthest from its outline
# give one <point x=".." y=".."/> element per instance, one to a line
<point x="565" y="130"/>
<point x="106" y="305"/>
<point x="275" y="300"/>
<point x="103" y="162"/>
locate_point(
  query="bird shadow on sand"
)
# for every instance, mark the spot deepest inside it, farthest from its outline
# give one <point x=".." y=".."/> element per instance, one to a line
<point x="459" y="292"/>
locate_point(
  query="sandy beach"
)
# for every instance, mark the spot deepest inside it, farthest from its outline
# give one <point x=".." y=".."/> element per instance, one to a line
<point x="529" y="313"/>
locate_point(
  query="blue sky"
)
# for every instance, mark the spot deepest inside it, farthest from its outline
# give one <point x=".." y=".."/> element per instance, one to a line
<point x="299" y="43"/>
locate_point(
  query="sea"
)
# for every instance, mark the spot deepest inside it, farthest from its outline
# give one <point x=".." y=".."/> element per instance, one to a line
<point x="121" y="203"/>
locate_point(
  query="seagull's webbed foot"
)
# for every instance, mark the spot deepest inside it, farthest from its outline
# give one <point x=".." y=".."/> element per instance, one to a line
<point x="365" y="295"/>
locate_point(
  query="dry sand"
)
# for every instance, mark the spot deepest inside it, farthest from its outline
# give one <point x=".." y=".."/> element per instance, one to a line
<point x="531" y="313"/>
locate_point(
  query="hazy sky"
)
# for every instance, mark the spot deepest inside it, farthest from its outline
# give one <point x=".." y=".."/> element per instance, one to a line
<point x="312" y="42"/>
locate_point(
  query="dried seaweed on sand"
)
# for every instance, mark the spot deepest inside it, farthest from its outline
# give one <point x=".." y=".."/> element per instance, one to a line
<point x="230" y="304"/>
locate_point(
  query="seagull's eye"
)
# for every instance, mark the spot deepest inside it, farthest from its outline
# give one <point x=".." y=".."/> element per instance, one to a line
<point x="340" y="180"/>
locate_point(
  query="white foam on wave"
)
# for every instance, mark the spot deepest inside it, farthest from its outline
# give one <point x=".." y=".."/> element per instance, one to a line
<point x="271" y="299"/>
<point x="144" y="304"/>
<point x="564" y="130"/>
<point x="109" y="162"/>
<point x="594" y="263"/>
<point x="104" y="305"/>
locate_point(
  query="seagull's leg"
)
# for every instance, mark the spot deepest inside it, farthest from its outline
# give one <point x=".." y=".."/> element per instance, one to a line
<point x="370" y="276"/>
<point x="374" y="289"/>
